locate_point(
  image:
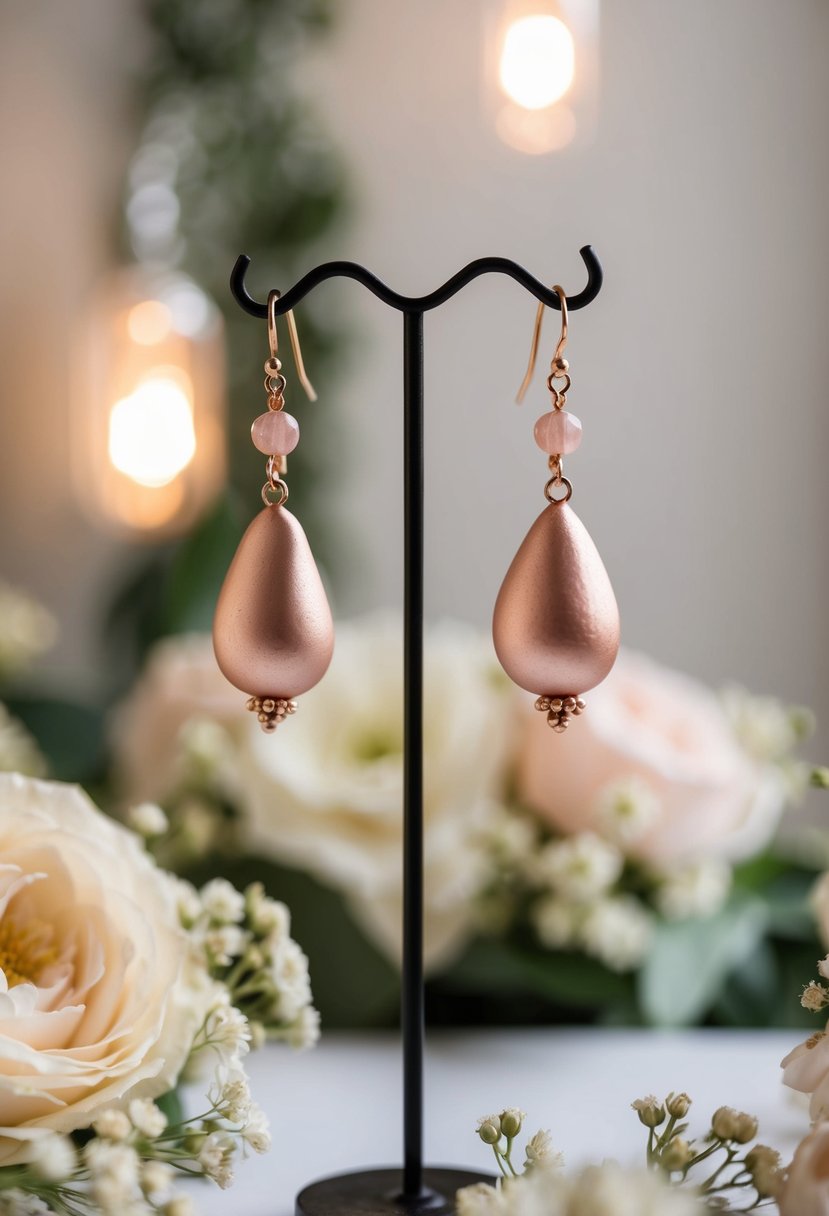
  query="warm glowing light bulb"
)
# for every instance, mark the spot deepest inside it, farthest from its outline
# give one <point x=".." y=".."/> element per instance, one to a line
<point x="151" y="435"/>
<point x="537" y="61"/>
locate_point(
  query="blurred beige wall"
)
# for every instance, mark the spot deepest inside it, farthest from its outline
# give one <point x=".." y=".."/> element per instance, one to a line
<point x="65" y="90"/>
<point x="698" y="373"/>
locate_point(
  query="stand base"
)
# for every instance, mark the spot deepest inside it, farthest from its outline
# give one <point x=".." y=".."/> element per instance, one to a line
<point x="377" y="1193"/>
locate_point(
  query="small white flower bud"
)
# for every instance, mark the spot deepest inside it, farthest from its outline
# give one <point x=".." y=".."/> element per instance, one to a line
<point x="222" y="902"/>
<point x="823" y="967"/>
<point x="763" y="1163"/>
<point x="512" y="1120"/>
<point x="53" y="1157"/>
<point x="730" y="1124"/>
<point x="814" y="997"/>
<point x="747" y="1126"/>
<point x="651" y="1112"/>
<point x="147" y="1118"/>
<point x="156" y="1178"/>
<point x="148" y="820"/>
<point x="724" y="1122"/>
<point x="539" y="1151"/>
<point x="677" y="1156"/>
<point x="112" y="1125"/>
<point x="181" y="1205"/>
<point x="677" y="1105"/>
<point x="489" y="1129"/>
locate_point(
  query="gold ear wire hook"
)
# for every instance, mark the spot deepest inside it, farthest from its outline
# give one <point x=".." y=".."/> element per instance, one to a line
<point x="559" y="351"/>
<point x="273" y="342"/>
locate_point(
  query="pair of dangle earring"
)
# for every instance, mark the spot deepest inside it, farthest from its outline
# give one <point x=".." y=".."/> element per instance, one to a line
<point x="556" y="622"/>
<point x="273" y="635"/>
<point x="555" y="625"/>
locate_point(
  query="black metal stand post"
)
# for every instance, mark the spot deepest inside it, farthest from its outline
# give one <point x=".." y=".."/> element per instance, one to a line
<point x="412" y="1191"/>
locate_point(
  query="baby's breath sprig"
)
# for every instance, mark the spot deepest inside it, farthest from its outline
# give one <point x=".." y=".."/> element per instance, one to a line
<point x="131" y="1160"/>
<point x="500" y="1133"/>
<point x="735" y="1168"/>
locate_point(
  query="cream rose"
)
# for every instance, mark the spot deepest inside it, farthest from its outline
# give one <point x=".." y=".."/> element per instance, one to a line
<point x="99" y="998"/>
<point x="655" y="763"/>
<point x="325" y="793"/>
<point x="805" y="1191"/>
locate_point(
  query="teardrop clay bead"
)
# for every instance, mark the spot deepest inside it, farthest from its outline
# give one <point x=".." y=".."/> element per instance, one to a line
<point x="556" y="623"/>
<point x="272" y="631"/>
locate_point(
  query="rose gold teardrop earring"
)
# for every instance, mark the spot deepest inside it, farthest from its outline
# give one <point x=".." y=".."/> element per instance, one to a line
<point x="273" y="636"/>
<point x="556" y="623"/>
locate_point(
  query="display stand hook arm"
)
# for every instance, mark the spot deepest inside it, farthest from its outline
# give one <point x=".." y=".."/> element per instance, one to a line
<point x="410" y="304"/>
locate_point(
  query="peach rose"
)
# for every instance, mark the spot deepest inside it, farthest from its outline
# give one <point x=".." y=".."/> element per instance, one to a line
<point x="655" y="750"/>
<point x="806" y="1189"/>
<point x="806" y="1069"/>
<point x="99" y="998"/>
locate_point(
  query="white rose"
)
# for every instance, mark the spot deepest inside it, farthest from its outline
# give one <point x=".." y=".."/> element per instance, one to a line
<point x="99" y="997"/>
<point x="805" y="1191"/>
<point x="658" y="748"/>
<point x="325" y="793"/>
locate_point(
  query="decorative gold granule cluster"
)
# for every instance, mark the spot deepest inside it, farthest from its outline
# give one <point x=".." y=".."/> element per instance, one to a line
<point x="559" y="710"/>
<point x="271" y="711"/>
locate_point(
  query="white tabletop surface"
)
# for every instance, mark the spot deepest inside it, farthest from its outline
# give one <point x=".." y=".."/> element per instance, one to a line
<point x="337" y="1107"/>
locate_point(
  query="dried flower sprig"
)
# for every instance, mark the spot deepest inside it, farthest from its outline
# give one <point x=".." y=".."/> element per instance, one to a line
<point x="736" y="1167"/>
<point x="726" y="1171"/>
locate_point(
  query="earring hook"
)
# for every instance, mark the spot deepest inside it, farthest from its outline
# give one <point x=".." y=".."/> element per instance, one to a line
<point x="273" y="343"/>
<point x="556" y="365"/>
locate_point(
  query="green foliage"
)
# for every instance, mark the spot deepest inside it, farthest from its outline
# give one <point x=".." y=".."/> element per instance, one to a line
<point x="70" y="734"/>
<point x="556" y="981"/>
<point x="689" y="960"/>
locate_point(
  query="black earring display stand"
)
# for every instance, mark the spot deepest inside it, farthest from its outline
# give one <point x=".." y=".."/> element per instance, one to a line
<point x="412" y="1190"/>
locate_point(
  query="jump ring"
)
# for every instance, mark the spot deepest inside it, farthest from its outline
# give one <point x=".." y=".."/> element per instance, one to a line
<point x="559" y="376"/>
<point x="278" y="486"/>
<point x="551" y="484"/>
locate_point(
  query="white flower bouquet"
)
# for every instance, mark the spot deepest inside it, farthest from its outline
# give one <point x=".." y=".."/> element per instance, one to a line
<point x="582" y="872"/>
<point x="118" y="982"/>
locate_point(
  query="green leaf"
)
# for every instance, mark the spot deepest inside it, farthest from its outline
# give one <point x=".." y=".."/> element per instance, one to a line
<point x="70" y="735"/>
<point x="689" y="961"/>
<point x="758" y="872"/>
<point x="789" y="906"/>
<point x="561" y="977"/>
<point x="172" y="1106"/>
<point x="750" y="994"/>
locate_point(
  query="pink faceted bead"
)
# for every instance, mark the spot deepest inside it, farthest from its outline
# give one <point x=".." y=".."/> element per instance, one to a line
<point x="275" y="433"/>
<point x="558" y="432"/>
